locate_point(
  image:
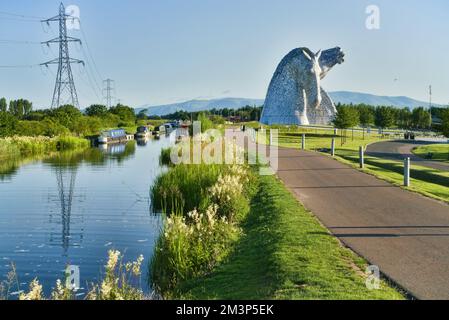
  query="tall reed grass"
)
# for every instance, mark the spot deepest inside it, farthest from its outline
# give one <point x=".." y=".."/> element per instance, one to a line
<point x="204" y="205"/>
<point x="29" y="146"/>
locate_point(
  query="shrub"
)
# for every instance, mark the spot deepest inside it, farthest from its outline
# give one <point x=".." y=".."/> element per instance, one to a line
<point x="184" y="187"/>
<point x="71" y="143"/>
<point x="165" y="157"/>
<point x="190" y="247"/>
<point x="121" y="281"/>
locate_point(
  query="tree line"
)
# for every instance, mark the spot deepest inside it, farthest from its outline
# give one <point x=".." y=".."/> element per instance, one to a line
<point x="244" y="114"/>
<point x="18" y="118"/>
<point x="383" y="117"/>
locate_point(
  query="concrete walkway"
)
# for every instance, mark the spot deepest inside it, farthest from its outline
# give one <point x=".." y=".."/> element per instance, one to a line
<point x="399" y="150"/>
<point x="403" y="233"/>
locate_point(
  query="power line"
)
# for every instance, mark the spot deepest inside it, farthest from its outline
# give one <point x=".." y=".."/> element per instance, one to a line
<point x="20" y="15"/>
<point x="89" y="51"/>
<point x="24" y="66"/>
<point x="18" y="42"/>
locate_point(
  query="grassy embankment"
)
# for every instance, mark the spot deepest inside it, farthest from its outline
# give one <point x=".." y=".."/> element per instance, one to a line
<point x="273" y="249"/>
<point x="426" y="181"/>
<point x="15" y="151"/>
<point x="439" y="152"/>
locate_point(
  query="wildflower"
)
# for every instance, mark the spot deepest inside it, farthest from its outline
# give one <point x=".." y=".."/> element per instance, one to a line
<point x="114" y="256"/>
<point x="35" y="291"/>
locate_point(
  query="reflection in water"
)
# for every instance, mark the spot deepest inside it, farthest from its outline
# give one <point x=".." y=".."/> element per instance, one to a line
<point x="66" y="178"/>
<point x="73" y="208"/>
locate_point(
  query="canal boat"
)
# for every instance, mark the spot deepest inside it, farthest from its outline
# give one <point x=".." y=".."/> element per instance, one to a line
<point x="142" y="133"/>
<point x="114" y="136"/>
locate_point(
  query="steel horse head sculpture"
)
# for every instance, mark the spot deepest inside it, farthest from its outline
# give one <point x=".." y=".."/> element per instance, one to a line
<point x="295" y="96"/>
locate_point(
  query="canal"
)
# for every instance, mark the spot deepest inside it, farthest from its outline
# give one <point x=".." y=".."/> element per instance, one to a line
<point x="71" y="209"/>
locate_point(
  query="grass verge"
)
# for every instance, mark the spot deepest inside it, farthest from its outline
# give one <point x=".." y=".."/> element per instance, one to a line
<point x="439" y="152"/>
<point x="426" y="181"/>
<point x="285" y="253"/>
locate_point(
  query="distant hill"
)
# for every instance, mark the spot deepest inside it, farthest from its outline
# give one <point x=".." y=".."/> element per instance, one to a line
<point x="345" y="97"/>
<point x="200" y="105"/>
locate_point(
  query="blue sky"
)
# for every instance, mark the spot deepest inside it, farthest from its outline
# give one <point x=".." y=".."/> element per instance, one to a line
<point x="165" y="51"/>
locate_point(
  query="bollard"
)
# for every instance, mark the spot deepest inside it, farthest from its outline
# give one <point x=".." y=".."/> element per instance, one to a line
<point x="333" y="147"/>
<point x="303" y="143"/>
<point x="362" y="157"/>
<point x="407" y="172"/>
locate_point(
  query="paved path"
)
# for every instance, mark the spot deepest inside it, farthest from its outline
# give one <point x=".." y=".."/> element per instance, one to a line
<point x="403" y="233"/>
<point x="399" y="150"/>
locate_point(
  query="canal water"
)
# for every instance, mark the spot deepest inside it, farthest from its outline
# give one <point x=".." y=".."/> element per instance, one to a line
<point x="73" y="208"/>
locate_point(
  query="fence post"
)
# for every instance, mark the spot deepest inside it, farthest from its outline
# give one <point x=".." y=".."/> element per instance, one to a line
<point x="362" y="157"/>
<point x="407" y="172"/>
<point x="303" y="142"/>
<point x="333" y="147"/>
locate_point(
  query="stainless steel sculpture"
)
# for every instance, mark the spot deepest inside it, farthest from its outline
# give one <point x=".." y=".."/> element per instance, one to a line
<point x="295" y="96"/>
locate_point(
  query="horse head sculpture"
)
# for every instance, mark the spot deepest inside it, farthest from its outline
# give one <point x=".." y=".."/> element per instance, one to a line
<point x="295" y="96"/>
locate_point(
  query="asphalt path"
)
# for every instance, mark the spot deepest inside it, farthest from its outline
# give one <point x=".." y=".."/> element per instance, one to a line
<point x="406" y="235"/>
<point x="399" y="150"/>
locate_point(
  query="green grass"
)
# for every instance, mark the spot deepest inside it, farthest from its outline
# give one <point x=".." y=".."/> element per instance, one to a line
<point x="440" y="152"/>
<point x="183" y="188"/>
<point x="17" y="151"/>
<point x="285" y="253"/>
<point x="426" y="181"/>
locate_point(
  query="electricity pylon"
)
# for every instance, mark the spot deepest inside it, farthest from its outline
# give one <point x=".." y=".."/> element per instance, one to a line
<point x="65" y="91"/>
<point x="107" y="91"/>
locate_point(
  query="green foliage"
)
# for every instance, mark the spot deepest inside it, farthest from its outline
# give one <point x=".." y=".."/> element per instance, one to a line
<point x="65" y="143"/>
<point x="285" y="253"/>
<point x="206" y="123"/>
<point x="184" y="187"/>
<point x="7" y="124"/>
<point x="97" y="110"/>
<point x="125" y="114"/>
<point x="201" y="230"/>
<point x="421" y="118"/>
<point x="385" y="117"/>
<point x="247" y="113"/>
<point x="445" y="122"/>
<point x="366" y="115"/>
<point x="404" y="118"/>
<point x="165" y="157"/>
<point x="189" y="248"/>
<point x="347" y="117"/>
<point x="66" y="115"/>
<point x="3" y="105"/>
<point x="20" y="108"/>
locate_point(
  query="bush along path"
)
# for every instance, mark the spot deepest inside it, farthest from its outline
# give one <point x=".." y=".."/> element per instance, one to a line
<point x="249" y="238"/>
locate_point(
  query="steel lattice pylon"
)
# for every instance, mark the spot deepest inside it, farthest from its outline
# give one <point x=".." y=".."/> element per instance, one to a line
<point x="65" y="91"/>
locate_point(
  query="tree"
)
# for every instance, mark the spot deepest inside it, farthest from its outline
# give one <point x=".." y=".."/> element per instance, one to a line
<point x="421" y="118"/>
<point x="366" y="116"/>
<point x="3" y="105"/>
<point x="142" y="115"/>
<point x="66" y="115"/>
<point x="125" y="113"/>
<point x="444" y="114"/>
<point x="384" y="117"/>
<point x="97" y="110"/>
<point x="347" y="117"/>
<point x="8" y="124"/>
<point x="20" y="108"/>
<point x="404" y="118"/>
